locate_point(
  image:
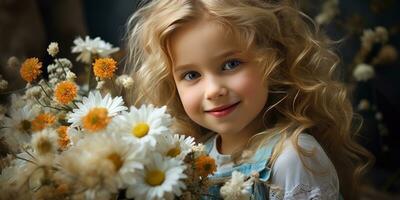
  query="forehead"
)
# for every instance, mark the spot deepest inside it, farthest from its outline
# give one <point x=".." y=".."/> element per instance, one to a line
<point x="200" y="40"/>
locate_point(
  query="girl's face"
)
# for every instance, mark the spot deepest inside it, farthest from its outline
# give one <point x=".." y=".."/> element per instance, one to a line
<point x="219" y="82"/>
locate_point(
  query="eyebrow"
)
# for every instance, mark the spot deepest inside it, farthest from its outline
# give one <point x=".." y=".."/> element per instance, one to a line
<point x="221" y="55"/>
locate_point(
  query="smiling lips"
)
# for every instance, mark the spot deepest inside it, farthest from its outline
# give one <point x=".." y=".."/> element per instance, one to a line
<point x="222" y="110"/>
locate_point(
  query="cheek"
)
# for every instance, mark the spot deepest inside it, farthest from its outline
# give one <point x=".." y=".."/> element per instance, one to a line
<point x="250" y="85"/>
<point x="190" y="99"/>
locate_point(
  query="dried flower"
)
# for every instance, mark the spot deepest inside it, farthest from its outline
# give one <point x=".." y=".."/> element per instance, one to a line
<point x="42" y="121"/>
<point x="13" y="62"/>
<point x="65" y="92"/>
<point x="100" y="85"/>
<point x="388" y="54"/>
<point x="237" y="188"/>
<point x="104" y="67"/>
<point x="63" y="139"/>
<point x="30" y="69"/>
<point x="124" y="81"/>
<point x="3" y="83"/>
<point x="329" y="11"/>
<point x="45" y="142"/>
<point x="71" y="76"/>
<point x="363" y="105"/>
<point x="53" y="49"/>
<point x="363" y="72"/>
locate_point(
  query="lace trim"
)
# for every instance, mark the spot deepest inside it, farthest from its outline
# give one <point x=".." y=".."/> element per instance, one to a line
<point x="276" y="193"/>
<point x="302" y="191"/>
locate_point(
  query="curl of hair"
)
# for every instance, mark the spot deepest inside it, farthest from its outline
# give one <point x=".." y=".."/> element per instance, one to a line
<point x="305" y="93"/>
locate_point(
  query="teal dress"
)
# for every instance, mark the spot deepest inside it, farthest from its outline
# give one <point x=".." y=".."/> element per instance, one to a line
<point x="258" y="163"/>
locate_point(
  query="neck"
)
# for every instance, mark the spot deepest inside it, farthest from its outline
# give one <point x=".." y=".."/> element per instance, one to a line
<point x="228" y="143"/>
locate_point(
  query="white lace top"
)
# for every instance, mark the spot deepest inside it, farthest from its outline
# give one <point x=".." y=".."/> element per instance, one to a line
<point x="290" y="178"/>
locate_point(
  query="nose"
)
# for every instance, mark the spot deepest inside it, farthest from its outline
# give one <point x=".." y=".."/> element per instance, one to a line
<point x="215" y="89"/>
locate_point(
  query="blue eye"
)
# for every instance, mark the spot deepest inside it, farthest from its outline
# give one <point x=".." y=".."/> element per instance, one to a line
<point x="231" y="64"/>
<point x="191" y="75"/>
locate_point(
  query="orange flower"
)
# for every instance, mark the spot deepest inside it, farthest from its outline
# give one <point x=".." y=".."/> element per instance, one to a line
<point x="96" y="119"/>
<point x="104" y="67"/>
<point x="205" y="165"/>
<point x="65" y="92"/>
<point x="42" y="121"/>
<point x="63" y="139"/>
<point x="30" y="69"/>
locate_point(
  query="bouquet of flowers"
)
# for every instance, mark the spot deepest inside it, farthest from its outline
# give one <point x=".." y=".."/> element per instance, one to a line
<point x="70" y="141"/>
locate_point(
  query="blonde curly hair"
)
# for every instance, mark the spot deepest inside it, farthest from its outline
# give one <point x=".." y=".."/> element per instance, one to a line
<point x="305" y="94"/>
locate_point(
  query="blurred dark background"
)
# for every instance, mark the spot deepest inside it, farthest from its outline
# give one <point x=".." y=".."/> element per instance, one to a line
<point x="28" y="26"/>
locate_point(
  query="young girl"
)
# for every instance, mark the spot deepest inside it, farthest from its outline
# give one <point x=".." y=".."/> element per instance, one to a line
<point x="258" y="77"/>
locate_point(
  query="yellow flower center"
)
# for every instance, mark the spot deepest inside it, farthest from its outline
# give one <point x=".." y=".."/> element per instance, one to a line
<point x="155" y="177"/>
<point x="116" y="160"/>
<point x="174" y="152"/>
<point x="30" y="69"/>
<point x="104" y="67"/>
<point x="96" y="119"/>
<point x="140" y="130"/>
<point x="65" y="92"/>
<point x="25" y="125"/>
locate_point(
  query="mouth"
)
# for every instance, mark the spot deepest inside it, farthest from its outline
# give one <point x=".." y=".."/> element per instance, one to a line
<point x="223" y="110"/>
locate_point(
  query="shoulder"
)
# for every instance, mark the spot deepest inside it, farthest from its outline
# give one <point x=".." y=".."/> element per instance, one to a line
<point x="293" y="172"/>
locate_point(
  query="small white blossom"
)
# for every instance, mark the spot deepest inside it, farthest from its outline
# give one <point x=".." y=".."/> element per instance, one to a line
<point x="363" y="72"/>
<point x="33" y="92"/>
<point x="53" y="49"/>
<point x="124" y="81"/>
<point x="236" y="188"/>
<point x="71" y="76"/>
<point x="198" y="150"/>
<point x="64" y="62"/>
<point x="369" y="37"/>
<point x="329" y="11"/>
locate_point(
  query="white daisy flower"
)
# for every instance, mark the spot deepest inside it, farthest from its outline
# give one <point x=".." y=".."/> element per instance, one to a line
<point x="236" y="188"/>
<point x="95" y="112"/>
<point x="143" y="124"/>
<point x="18" y="126"/>
<point x="88" y="47"/>
<point x="175" y="146"/>
<point x="161" y="178"/>
<point x="102" y="163"/>
<point x="363" y="72"/>
<point x="45" y="142"/>
<point x="27" y="168"/>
